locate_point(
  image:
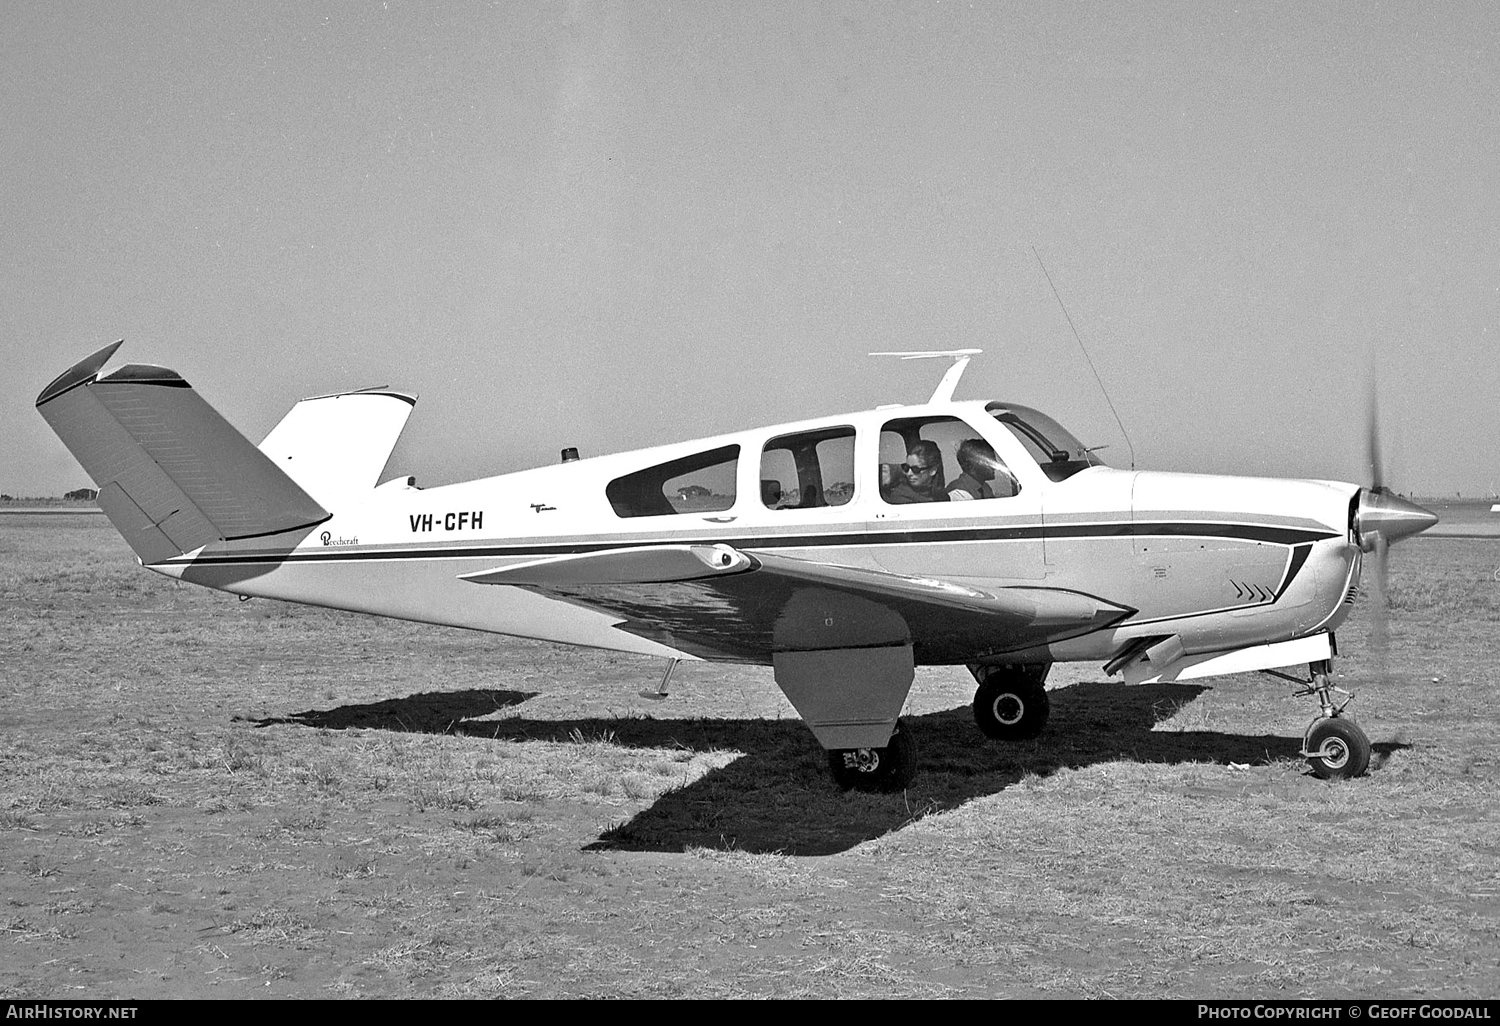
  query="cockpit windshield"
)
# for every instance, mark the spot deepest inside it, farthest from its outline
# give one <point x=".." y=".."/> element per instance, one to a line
<point x="1054" y="448"/>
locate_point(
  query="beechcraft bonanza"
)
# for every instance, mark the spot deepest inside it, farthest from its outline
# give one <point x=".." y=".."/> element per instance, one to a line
<point x="842" y="551"/>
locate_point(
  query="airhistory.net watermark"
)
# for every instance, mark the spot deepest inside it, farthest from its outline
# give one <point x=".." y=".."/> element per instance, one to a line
<point x="56" y="1010"/>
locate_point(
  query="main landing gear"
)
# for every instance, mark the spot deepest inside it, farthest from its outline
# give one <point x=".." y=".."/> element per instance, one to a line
<point x="1334" y="746"/>
<point x="877" y="769"/>
<point x="1011" y="703"/>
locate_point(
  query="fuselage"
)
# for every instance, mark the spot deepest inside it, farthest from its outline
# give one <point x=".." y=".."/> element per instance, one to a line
<point x="1223" y="562"/>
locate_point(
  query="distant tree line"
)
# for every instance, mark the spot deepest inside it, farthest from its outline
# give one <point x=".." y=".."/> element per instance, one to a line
<point x="77" y="494"/>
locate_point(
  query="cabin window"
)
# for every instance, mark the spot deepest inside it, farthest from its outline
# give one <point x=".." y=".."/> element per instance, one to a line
<point x="940" y="459"/>
<point x="1056" y="451"/>
<point x="808" y="469"/>
<point x="700" y="483"/>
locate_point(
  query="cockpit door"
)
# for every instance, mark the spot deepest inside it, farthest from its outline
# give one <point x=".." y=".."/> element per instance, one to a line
<point x="1086" y="506"/>
<point x="948" y="505"/>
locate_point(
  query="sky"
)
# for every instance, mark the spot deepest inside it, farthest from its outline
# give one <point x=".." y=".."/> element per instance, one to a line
<point x="615" y="225"/>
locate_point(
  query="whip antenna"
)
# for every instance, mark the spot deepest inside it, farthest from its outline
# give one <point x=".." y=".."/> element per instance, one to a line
<point x="1086" y="356"/>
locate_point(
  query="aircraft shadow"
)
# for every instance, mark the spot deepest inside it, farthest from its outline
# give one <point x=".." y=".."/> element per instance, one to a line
<point x="779" y="796"/>
<point x="431" y="712"/>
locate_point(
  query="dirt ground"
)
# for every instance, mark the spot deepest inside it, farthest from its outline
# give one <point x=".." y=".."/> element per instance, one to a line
<point x="206" y="798"/>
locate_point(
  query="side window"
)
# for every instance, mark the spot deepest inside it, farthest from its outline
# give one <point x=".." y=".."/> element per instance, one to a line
<point x="808" y="469"/>
<point x="939" y="459"/>
<point x="701" y="483"/>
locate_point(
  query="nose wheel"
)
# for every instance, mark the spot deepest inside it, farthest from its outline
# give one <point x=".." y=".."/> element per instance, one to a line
<point x="1334" y="746"/>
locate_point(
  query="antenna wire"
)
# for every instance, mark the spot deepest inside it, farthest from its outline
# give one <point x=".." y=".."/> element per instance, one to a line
<point x="1086" y="356"/>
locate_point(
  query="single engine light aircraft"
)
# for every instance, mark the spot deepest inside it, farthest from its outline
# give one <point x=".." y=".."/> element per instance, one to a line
<point x="843" y="551"/>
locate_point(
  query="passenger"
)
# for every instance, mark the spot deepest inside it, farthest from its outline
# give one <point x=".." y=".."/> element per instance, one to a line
<point x="921" y="478"/>
<point x="977" y="459"/>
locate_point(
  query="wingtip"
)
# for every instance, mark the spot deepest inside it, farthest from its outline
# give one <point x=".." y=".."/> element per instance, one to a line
<point x="81" y="373"/>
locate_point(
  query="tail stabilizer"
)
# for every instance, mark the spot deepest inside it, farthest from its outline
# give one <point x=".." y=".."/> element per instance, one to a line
<point x="173" y="474"/>
<point x="336" y="446"/>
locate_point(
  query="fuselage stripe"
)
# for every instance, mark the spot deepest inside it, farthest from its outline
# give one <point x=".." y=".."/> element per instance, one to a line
<point x="1237" y="532"/>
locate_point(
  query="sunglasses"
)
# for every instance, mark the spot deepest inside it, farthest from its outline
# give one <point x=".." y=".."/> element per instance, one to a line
<point x="912" y="468"/>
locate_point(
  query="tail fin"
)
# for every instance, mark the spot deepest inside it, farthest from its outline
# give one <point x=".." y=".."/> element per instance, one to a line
<point x="335" y="446"/>
<point x="173" y="474"/>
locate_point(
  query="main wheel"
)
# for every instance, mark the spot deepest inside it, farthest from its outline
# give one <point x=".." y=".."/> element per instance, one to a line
<point x="1011" y="707"/>
<point x="876" y="769"/>
<point x="1336" y="749"/>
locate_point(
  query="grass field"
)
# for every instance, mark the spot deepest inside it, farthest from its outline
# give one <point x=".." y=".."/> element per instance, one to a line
<point x="206" y="798"/>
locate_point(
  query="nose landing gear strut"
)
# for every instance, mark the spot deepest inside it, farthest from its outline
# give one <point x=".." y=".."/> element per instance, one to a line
<point x="1334" y="746"/>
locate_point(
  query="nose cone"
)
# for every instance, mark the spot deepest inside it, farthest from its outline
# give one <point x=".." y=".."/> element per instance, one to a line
<point x="1388" y="516"/>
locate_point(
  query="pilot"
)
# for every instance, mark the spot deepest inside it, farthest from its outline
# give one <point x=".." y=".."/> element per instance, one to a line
<point x="921" y="477"/>
<point x="977" y="459"/>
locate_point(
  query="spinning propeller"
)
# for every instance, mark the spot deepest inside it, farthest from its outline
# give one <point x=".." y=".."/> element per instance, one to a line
<point x="1380" y="518"/>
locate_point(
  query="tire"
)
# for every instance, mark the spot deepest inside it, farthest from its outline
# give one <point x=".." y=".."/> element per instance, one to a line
<point x="1011" y="707"/>
<point x="1336" y="749"/>
<point x="877" y="769"/>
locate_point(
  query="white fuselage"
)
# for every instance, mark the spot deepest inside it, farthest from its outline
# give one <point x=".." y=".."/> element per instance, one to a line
<point x="1222" y="562"/>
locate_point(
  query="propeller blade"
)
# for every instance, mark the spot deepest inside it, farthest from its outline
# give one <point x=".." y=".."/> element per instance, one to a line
<point x="1372" y="439"/>
<point x="1380" y="608"/>
<point x="1381" y="519"/>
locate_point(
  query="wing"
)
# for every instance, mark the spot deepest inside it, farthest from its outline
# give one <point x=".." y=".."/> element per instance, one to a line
<point x="716" y="601"/>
